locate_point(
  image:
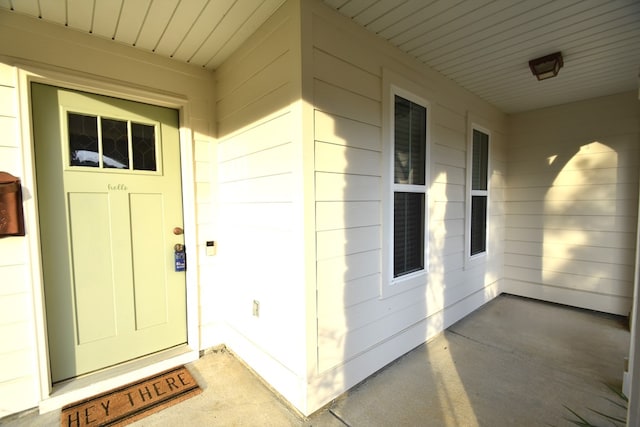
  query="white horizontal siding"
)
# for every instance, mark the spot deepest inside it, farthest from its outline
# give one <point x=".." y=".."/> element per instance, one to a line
<point x="591" y="165"/>
<point x="9" y="131"/>
<point x="340" y="159"/>
<point x="342" y="242"/>
<point x="591" y="284"/>
<point x="603" y="239"/>
<point x="346" y="334"/>
<point x="572" y="203"/>
<point x="256" y="197"/>
<point x="563" y="250"/>
<point x="617" y="224"/>
<point x="327" y="67"/>
<point x="332" y="187"/>
<point x="346" y="214"/>
<point x="18" y="386"/>
<point x="549" y="264"/>
<point x="257" y="164"/>
<point x="341" y="102"/>
<point x="258" y="203"/>
<point x="445" y="209"/>
<point x="347" y="268"/>
<point x="447" y="192"/>
<point x="260" y="85"/>
<point x="447" y="137"/>
<point x="611" y="208"/>
<point x="601" y="175"/>
<point x="348" y="176"/>
<point x="256" y="80"/>
<point x="576" y="192"/>
<point x="448" y="155"/>
<point x="349" y="165"/>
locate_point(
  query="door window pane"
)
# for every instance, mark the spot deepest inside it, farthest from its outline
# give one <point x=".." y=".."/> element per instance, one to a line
<point x="83" y="140"/>
<point x="143" y="141"/>
<point x="408" y="230"/>
<point x="115" y="144"/>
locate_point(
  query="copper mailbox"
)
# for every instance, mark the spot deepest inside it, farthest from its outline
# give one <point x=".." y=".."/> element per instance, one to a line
<point x="11" y="214"/>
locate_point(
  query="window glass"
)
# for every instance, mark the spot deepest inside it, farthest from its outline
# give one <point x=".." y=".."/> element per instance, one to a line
<point x="479" y="192"/>
<point x="115" y="144"/>
<point x="120" y="144"/>
<point x="478" y="224"/>
<point x="480" y="159"/>
<point x="410" y="138"/>
<point x="408" y="233"/>
<point x="83" y="140"/>
<point x="143" y="141"/>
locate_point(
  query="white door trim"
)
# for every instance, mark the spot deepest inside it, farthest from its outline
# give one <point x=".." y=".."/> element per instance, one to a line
<point x="52" y="399"/>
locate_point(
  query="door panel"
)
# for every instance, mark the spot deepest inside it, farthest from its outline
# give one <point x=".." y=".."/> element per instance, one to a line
<point x="92" y="266"/>
<point x="109" y="196"/>
<point x="148" y="251"/>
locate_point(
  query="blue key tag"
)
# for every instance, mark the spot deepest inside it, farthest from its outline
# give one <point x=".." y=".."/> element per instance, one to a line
<point x="180" y="257"/>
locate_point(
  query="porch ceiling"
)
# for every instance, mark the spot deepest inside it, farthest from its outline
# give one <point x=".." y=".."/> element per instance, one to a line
<point x="483" y="45"/>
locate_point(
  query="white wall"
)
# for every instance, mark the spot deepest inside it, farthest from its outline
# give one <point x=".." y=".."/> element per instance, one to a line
<point x="259" y="166"/>
<point x="572" y="203"/>
<point x="39" y="48"/>
<point x="363" y="323"/>
<point x="288" y="166"/>
<point x="290" y="181"/>
<point x="18" y="379"/>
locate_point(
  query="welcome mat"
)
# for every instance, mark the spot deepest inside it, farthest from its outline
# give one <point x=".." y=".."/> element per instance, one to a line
<point x="127" y="404"/>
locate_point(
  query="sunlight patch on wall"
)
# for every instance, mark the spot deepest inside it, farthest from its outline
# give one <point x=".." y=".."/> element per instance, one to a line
<point x="438" y="204"/>
<point x="596" y="146"/>
<point x="576" y="210"/>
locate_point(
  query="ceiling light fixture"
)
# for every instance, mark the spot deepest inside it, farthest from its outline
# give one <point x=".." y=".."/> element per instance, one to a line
<point x="546" y="66"/>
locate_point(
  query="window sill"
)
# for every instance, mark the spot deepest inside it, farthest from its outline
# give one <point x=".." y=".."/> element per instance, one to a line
<point x="475" y="260"/>
<point x="404" y="283"/>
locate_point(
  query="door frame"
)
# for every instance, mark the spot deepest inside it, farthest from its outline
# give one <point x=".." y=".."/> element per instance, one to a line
<point x="55" y="397"/>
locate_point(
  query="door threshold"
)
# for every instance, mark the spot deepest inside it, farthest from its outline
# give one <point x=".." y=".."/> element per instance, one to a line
<point x="89" y="385"/>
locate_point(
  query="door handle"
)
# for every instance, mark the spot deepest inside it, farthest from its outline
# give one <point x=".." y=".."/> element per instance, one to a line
<point x="178" y="231"/>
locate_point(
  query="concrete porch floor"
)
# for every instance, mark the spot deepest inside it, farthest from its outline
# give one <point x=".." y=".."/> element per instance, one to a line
<point x="514" y="362"/>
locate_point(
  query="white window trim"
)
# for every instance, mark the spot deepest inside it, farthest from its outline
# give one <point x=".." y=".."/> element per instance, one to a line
<point x="393" y="85"/>
<point x="473" y="260"/>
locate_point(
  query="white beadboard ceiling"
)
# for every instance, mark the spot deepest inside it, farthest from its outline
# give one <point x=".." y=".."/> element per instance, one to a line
<point x="200" y="32"/>
<point x="483" y="45"/>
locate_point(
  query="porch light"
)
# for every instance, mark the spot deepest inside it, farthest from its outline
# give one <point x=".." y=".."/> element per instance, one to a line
<point x="546" y="66"/>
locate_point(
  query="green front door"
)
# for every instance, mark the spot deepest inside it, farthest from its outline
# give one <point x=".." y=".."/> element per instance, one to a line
<point x="109" y="198"/>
